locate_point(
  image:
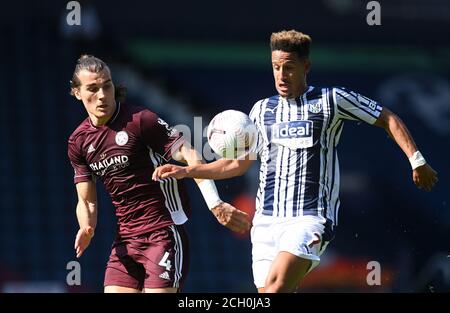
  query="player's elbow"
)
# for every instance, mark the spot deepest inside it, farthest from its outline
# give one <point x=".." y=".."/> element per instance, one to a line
<point x="87" y="206"/>
<point x="240" y="167"/>
<point x="386" y="119"/>
<point x="239" y="172"/>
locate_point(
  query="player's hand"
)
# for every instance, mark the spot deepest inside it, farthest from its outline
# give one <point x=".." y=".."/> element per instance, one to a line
<point x="169" y="170"/>
<point x="425" y="177"/>
<point x="232" y="218"/>
<point x="83" y="239"/>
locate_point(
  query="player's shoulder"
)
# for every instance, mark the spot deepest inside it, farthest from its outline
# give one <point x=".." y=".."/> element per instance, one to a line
<point x="319" y="90"/>
<point x="137" y="110"/>
<point x="258" y="104"/>
<point x="136" y="116"/>
<point x="80" y="132"/>
<point x="341" y="90"/>
<point x="256" y="109"/>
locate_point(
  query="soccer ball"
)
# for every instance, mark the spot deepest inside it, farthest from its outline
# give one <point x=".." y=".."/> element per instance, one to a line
<point x="232" y="134"/>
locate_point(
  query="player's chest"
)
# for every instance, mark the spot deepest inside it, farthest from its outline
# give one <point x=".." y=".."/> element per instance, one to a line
<point x="296" y="127"/>
<point x="111" y="149"/>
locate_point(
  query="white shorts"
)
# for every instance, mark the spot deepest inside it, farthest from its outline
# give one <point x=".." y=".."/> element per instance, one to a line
<point x="301" y="236"/>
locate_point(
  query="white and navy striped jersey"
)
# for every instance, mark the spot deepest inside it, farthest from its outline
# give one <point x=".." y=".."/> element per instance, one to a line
<point x="297" y="141"/>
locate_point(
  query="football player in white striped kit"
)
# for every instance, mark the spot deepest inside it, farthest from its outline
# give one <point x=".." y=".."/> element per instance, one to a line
<point x="298" y="197"/>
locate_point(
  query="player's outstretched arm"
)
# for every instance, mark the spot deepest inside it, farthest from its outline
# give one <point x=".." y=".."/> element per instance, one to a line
<point x="86" y="215"/>
<point x="226" y="214"/>
<point x="220" y="169"/>
<point x="424" y="176"/>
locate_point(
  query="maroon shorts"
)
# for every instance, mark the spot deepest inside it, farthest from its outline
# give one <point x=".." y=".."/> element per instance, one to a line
<point x="158" y="259"/>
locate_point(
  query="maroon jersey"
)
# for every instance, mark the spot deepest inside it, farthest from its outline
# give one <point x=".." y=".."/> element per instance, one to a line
<point x="123" y="153"/>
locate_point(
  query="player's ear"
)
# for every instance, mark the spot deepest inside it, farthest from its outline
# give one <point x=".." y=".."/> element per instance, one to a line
<point x="76" y="93"/>
<point x="307" y="64"/>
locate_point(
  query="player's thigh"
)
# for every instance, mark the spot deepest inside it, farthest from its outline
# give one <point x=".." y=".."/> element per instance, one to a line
<point x="120" y="289"/>
<point x="166" y="258"/>
<point x="263" y="252"/>
<point x="286" y="272"/>
<point x="161" y="290"/>
<point x="122" y="271"/>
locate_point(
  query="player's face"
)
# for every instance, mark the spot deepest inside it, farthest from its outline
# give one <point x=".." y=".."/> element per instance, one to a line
<point x="289" y="72"/>
<point x="97" y="93"/>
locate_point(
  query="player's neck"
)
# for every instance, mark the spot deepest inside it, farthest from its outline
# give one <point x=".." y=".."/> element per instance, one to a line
<point x="99" y="121"/>
<point x="303" y="88"/>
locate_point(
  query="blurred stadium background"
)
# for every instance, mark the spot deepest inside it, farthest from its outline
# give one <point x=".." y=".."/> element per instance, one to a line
<point x="196" y="58"/>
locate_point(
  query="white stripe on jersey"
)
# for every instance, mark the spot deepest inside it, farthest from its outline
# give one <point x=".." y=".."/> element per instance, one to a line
<point x="304" y="159"/>
<point x="285" y="162"/>
<point x="173" y="186"/>
<point x="323" y="187"/>
<point x="278" y="168"/>
<point x="178" y="247"/>
<point x="169" y="188"/>
<point x="292" y="161"/>
<point x="264" y="155"/>
<point x="304" y="179"/>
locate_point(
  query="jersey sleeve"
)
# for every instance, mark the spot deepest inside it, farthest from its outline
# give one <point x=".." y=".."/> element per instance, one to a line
<point x="354" y="106"/>
<point x="159" y="136"/>
<point x="82" y="171"/>
<point x="255" y="116"/>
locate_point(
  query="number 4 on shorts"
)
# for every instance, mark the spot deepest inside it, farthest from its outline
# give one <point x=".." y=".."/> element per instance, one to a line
<point x="165" y="262"/>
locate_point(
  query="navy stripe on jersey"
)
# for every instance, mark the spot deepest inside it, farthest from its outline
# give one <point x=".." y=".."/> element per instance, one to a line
<point x="329" y="112"/>
<point x="312" y="181"/>
<point x="286" y="164"/>
<point x="299" y="176"/>
<point x="269" y="120"/>
<point x="257" y="115"/>
<point x="327" y="195"/>
<point x="333" y="167"/>
<point x="298" y="162"/>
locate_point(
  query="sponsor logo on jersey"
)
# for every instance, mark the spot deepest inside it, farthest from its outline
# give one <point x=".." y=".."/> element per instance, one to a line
<point x="292" y="129"/>
<point x="293" y="134"/>
<point x="115" y="162"/>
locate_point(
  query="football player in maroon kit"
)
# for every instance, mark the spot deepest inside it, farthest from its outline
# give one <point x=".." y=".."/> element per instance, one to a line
<point x="122" y="144"/>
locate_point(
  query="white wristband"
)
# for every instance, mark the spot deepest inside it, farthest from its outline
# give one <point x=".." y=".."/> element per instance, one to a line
<point x="417" y="160"/>
<point x="209" y="192"/>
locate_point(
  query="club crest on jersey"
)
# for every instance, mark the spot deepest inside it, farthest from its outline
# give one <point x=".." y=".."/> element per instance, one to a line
<point x="121" y="138"/>
<point x="293" y="134"/>
<point x="315" y="107"/>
